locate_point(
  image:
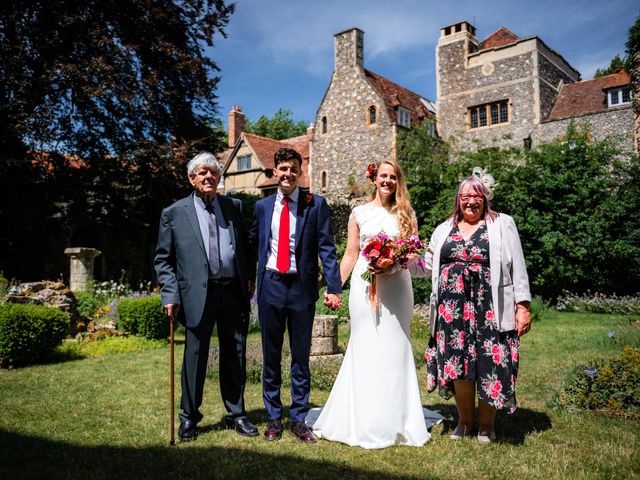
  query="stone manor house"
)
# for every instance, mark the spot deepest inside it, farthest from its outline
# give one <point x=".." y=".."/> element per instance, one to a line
<point x="503" y="90"/>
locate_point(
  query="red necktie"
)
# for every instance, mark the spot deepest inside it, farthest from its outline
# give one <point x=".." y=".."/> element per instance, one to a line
<point x="282" y="262"/>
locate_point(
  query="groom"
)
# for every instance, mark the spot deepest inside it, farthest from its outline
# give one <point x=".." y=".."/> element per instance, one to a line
<point x="291" y="229"/>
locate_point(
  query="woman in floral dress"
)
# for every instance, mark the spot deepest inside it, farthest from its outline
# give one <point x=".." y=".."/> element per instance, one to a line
<point x="479" y="308"/>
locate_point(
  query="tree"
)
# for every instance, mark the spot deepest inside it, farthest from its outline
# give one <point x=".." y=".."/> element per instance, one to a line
<point x="573" y="201"/>
<point x="633" y="54"/>
<point x="117" y="95"/>
<point x="278" y="127"/>
<point x="615" y="66"/>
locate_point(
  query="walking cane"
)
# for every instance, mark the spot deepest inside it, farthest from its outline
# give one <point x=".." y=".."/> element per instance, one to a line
<point x="171" y="394"/>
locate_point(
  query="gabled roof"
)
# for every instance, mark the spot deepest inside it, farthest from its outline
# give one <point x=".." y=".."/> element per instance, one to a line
<point x="586" y="97"/>
<point x="265" y="148"/>
<point x="501" y="37"/>
<point x="396" y="96"/>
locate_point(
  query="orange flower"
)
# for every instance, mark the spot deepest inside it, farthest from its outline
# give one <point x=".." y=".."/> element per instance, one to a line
<point x="384" y="262"/>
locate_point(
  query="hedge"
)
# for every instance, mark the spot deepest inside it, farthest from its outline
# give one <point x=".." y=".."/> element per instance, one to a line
<point x="29" y="333"/>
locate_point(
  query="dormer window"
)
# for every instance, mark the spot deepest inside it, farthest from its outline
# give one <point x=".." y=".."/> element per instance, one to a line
<point x="404" y="117"/>
<point x="372" y="115"/>
<point x="619" y="96"/>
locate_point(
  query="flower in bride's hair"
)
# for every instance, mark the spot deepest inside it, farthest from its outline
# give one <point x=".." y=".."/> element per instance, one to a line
<point x="487" y="180"/>
<point x="372" y="171"/>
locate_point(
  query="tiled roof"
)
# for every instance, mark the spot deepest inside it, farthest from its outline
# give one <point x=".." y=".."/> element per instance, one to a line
<point x="586" y="97"/>
<point x="499" y="38"/>
<point x="265" y="148"/>
<point x="394" y="95"/>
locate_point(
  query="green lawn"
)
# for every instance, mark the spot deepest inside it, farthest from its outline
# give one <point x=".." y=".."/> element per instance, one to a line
<point x="106" y="417"/>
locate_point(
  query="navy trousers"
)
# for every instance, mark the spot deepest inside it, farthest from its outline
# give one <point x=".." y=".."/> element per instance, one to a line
<point x="280" y="308"/>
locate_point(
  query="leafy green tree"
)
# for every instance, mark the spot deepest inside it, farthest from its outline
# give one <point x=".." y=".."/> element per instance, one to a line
<point x="118" y="95"/>
<point x="615" y="66"/>
<point x="278" y="127"/>
<point x="573" y="202"/>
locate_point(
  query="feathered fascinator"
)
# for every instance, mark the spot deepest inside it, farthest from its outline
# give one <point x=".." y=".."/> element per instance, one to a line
<point x="487" y="180"/>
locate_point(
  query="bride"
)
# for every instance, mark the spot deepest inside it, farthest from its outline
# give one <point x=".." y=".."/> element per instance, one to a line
<point x="375" y="401"/>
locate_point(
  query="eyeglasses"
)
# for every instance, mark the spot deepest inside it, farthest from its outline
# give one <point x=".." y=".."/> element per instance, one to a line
<point x="466" y="198"/>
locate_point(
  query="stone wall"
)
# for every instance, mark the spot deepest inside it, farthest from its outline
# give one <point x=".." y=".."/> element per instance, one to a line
<point x="349" y="144"/>
<point x="526" y="73"/>
<point x="618" y="123"/>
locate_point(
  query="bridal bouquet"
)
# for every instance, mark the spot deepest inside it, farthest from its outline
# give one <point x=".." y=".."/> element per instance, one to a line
<point x="383" y="251"/>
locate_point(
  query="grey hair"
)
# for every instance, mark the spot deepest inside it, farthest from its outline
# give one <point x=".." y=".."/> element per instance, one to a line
<point x="206" y="159"/>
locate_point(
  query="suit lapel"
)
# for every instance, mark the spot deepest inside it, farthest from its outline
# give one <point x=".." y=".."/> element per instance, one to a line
<point x="227" y="214"/>
<point x="266" y="225"/>
<point x="190" y="212"/>
<point x="301" y="217"/>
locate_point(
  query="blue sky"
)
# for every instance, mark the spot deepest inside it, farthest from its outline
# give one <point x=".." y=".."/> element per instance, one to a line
<point x="279" y="53"/>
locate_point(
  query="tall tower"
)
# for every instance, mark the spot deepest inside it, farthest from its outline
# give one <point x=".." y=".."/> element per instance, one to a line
<point x="456" y="43"/>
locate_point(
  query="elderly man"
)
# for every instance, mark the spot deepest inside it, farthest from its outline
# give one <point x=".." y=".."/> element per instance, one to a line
<point x="206" y="273"/>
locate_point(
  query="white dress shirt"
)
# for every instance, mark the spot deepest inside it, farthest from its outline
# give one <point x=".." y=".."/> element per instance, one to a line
<point x="275" y="227"/>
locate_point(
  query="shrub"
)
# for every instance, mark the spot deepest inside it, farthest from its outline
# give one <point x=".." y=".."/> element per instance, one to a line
<point x="611" y="386"/>
<point x="29" y="333"/>
<point x="599" y="303"/>
<point x="87" y="303"/>
<point x="539" y="308"/>
<point x="143" y="316"/>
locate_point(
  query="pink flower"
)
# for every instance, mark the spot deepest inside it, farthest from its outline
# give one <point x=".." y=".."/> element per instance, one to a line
<point x="456" y="237"/>
<point x="459" y="284"/>
<point x="468" y="312"/>
<point x="466" y="366"/>
<point x="496" y="390"/>
<point x="450" y="372"/>
<point x="431" y="382"/>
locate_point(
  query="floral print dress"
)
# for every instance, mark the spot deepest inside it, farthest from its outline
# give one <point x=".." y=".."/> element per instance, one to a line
<point x="468" y="344"/>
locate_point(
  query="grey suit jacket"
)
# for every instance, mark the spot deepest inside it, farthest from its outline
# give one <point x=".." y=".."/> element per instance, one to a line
<point x="181" y="261"/>
<point x="509" y="279"/>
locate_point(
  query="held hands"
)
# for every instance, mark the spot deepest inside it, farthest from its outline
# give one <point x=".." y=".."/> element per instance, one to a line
<point x="523" y="318"/>
<point x="332" y="300"/>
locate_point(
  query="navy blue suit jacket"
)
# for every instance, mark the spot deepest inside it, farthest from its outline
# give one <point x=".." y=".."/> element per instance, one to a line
<point x="313" y="239"/>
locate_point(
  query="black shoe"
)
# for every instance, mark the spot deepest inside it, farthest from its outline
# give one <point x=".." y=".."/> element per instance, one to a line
<point x="187" y="431"/>
<point x="242" y="426"/>
<point x="273" y="430"/>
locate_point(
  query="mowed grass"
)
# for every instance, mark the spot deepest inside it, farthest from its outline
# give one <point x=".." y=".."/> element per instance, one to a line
<point x="107" y="417"/>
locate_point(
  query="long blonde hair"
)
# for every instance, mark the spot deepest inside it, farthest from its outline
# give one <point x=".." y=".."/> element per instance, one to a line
<point x="400" y="206"/>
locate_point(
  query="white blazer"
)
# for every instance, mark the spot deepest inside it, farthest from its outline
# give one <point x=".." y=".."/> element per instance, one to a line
<point x="509" y="279"/>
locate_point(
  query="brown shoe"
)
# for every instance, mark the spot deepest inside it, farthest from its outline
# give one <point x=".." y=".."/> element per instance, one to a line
<point x="303" y="433"/>
<point x="273" y="430"/>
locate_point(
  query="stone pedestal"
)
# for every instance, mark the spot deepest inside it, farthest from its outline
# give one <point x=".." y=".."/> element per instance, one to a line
<point x="81" y="267"/>
<point x="324" y="337"/>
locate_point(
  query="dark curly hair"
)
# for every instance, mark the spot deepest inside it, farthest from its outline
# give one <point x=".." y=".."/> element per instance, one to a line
<point x="283" y="154"/>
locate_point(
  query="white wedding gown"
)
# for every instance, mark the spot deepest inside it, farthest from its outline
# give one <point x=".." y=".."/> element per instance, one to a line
<point x="375" y="401"/>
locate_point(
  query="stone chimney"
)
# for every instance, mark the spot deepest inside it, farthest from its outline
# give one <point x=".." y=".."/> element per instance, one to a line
<point x="236" y="125"/>
<point x="348" y="49"/>
<point x="311" y="129"/>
